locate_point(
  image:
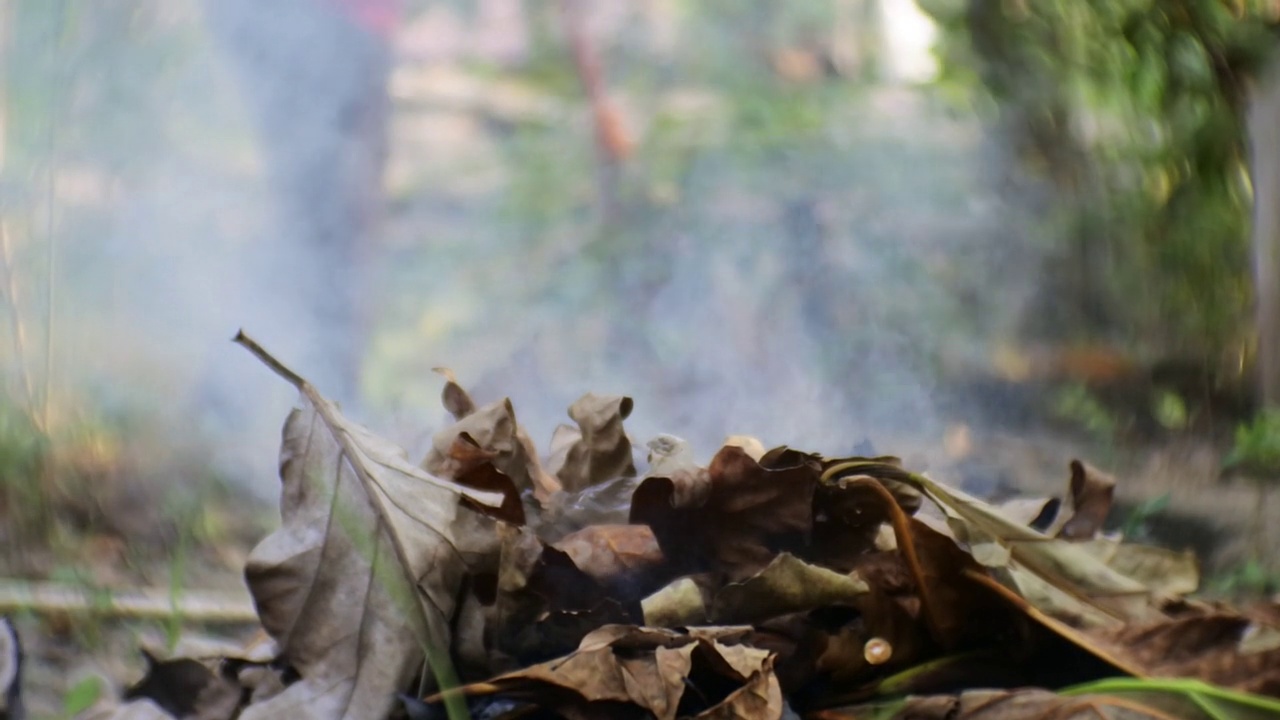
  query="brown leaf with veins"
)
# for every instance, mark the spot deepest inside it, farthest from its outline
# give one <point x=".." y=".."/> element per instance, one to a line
<point x="736" y="517"/>
<point x="1199" y="644"/>
<point x="599" y="449"/>
<point x="361" y="578"/>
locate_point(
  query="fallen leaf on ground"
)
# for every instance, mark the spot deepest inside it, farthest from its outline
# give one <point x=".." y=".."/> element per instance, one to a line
<point x="360" y="582"/>
<point x="733" y="519"/>
<point x="1008" y="705"/>
<point x="599" y="450"/>
<point x="784" y="586"/>
<point x="624" y="559"/>
<point x="681" y="603"/>
<point x="1089" y="502"/>
<point x="186" y="688"/>
<point x="1172" y="573"/>
<point x="670" y="674"/>
<point x="1054" y="574"/>
<point x="493" y="430"/>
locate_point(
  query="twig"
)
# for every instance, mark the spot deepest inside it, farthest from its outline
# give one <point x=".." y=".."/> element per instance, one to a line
<point x="202" y="606"/>
<point x="267" y="359"/>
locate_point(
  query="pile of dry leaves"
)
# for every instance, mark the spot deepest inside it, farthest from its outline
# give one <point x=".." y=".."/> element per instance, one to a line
<point x="486" y="582"/>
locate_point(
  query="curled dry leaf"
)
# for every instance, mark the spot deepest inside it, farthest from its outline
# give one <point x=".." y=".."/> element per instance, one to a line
<point x="785" y="586"/>
<point x="455" y="398"/>
<point x="599" y="450"/>
<point x="669" y="454"/>
<point x="625" y="559"/>
<point x="1058" y="577"/>
<point x="360" y="582"/>
<point x="545" y="604"/>
<point x="619" y="669"/>
<point x="681" y="603"/>
<point x="187" y="688"/>
<point x="733" y="519"/>
<point x="493" y="430"/>
<point x="1091" y="493"/>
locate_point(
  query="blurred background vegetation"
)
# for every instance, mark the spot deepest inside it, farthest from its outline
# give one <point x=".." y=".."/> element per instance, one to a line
<point x="815" y="222"/>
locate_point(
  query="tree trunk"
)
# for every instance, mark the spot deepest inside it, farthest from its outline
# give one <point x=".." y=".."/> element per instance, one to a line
<point x="1264" y="162"/>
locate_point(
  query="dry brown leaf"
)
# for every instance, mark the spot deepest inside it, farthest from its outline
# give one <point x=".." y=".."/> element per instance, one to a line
<point x="1166" y="572"/>
<point x="1203" y="645"/>
<point x="750" y="445"/>
<point x="1056" y="576"/>
<point x="361" y="579"/>
<point x="545" y="604"/>
<point x="625" y="559"/>
<point x="681" y="603"/>
<point x="1090" y="502"/>
<point x="1024" y="705"/>
<point x="494" y="431"/>
<point x="600" y="450"/>
<point x="1034" y="512"/>
<point x="187" y="688"/>
<point x="787" y="585"/>
<point x="702" y="673"/>
<point x="456" y="399"/>
<point x="736" y="517"/>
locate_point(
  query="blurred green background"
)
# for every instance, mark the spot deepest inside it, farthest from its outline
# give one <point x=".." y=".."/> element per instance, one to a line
<point x="815" y="222"/>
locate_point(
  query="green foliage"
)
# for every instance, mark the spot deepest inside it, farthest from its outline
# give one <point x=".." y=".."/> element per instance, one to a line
<point x="1076" y="404"/>
<point x="1131" y="111"/>
<point x="1135" y="523"/>
<point x="24" y="454"/>
<point x="1256" y="452"/>
<point x="1248" y="579"/>
<point x="81" y="696"/>
<point x="1170" y="410"/>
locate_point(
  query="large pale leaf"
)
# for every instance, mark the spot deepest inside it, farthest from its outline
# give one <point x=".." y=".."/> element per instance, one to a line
<point x="360" y="582"/>
<point x="1032" y="562"/>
